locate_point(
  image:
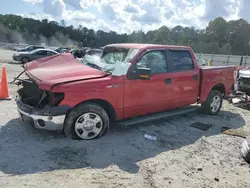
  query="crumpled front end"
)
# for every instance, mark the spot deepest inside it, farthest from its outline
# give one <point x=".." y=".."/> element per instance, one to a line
<point x="40" y="108"/>
<point x="244" y="81"/>
<point x="244" y="84"/>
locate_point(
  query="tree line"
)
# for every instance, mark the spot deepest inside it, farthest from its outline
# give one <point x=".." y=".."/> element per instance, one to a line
<point x="219" y="37"/>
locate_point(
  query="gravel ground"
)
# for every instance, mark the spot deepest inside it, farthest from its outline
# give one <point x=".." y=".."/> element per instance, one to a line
<point x="182" y="156"/>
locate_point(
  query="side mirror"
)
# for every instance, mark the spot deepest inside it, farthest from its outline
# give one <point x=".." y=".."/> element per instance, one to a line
<point x="140" y="73"/>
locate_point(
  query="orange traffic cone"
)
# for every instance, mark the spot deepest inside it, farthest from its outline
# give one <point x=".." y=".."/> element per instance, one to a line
<point x="4" y="89"/>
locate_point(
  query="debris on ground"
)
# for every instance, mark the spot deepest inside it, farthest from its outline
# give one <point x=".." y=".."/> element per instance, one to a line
<point x="216" y="179"/>
<point x="150" y="137"/>
<point x="233" y="132"/>
<point x="236" y="100"/>
<point x="240" y="99"/>
<point x="245" y="150"/>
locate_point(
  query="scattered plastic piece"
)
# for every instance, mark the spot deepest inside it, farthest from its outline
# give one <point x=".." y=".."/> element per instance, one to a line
<point x="217" y="179"/>
<point x="236" y="100"/>
<point x="245" y="150"/>
<point x="233" y="132"/>
<point x="240" y="99"/>
<point x="150" y="137"/>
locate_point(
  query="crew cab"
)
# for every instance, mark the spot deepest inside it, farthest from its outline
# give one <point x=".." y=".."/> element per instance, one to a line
<point x="126" y="82"/>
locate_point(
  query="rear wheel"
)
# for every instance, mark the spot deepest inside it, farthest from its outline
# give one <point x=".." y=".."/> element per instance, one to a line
<point x="86" y="121"/>
<point x="25" y="60"/>
<point x="213" y="103"/>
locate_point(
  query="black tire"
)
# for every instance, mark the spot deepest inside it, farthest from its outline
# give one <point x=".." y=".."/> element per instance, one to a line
<point x="25" y="60"/>
<point x="206" y="106"/>
<point x="75" y="113"/>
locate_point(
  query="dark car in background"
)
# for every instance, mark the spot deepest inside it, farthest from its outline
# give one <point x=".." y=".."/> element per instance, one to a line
<point x="25" y="57"/>
<point x="94" y="52"/>
<point x="78" y="53"/>
<point x="30" y="48"/>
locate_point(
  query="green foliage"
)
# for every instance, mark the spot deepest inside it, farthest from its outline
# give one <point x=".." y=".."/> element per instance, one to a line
<point x="219" y="36"/>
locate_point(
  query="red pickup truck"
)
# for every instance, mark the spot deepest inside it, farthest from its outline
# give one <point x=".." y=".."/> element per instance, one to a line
<point x="84" y="97"/>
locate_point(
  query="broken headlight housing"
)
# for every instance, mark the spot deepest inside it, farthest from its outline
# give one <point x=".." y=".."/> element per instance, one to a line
<point x="56" y="98"/>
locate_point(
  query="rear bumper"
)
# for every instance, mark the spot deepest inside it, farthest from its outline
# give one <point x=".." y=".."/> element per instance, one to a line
<point x="39" y="120"/>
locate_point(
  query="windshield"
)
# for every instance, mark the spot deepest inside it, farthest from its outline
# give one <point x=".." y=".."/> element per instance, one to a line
<point x="115" y="60"/>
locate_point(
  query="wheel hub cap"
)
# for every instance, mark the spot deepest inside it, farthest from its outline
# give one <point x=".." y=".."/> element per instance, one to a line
<point x="88" y="125"/>
<point x="215" y="104"/>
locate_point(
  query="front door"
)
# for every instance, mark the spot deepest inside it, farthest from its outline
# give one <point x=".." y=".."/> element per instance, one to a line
<point x="146" y="96"/>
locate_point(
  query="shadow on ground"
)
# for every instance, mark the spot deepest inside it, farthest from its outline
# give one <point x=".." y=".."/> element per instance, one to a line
<point x="24" y="150"/>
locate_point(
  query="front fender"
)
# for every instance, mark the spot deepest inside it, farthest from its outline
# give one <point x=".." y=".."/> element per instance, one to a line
<point x="109" y="89"/>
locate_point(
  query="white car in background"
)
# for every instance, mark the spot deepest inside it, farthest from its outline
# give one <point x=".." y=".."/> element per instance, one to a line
<point x="26" y="57"/>
<point x="244" y="80"/>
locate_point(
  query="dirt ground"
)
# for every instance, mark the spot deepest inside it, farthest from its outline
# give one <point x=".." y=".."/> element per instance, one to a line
<point x="182" y="156"/>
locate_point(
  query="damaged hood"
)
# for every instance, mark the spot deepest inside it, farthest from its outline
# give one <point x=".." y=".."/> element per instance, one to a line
<point x="60" y="68"/>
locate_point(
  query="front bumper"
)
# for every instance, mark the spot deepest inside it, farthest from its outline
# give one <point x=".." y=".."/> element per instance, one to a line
<point x="16" y="58"/>
<point x="37" y="119"/>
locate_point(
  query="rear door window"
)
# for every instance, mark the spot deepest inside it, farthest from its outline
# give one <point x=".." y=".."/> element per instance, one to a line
<point x="50" y="53"/>
<point x="31" y="48"/>
<point x="41" y="52"/>
<point x="181" y="60"/>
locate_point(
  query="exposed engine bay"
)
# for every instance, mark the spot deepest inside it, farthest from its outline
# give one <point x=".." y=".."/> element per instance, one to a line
<point x="35" y="100"/>
<point x="30" y="94"/>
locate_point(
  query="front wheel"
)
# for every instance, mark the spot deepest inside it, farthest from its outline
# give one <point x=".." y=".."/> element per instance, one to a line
<point x="86" y="121"/>
<point x="25" y="60"/>
<point x="213" y="103"/>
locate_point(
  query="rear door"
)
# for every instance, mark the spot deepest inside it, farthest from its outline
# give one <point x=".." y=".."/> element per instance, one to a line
<point x="147" y="96"/>
<point x="184" y="76"/>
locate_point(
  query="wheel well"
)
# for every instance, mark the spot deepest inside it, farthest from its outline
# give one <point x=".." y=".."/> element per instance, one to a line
<point x="25" y="57"/>
<point x="106" y="106"/>
<point x="220" y="88"/>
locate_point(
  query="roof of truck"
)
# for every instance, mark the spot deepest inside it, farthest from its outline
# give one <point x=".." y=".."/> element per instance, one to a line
<point x="145" y="46"/>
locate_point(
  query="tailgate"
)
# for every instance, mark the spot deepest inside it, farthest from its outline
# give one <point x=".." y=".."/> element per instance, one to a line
<point x="216" y="76"/>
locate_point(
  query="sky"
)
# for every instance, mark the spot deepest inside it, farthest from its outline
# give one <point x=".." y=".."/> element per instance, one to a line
<point x="125" y="16"/>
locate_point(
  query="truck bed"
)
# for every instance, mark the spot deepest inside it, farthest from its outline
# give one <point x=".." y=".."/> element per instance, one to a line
<point x="216" y="76"/>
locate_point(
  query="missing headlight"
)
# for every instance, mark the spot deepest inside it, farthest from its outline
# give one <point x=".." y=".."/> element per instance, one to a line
<point x="56" y="98"/>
